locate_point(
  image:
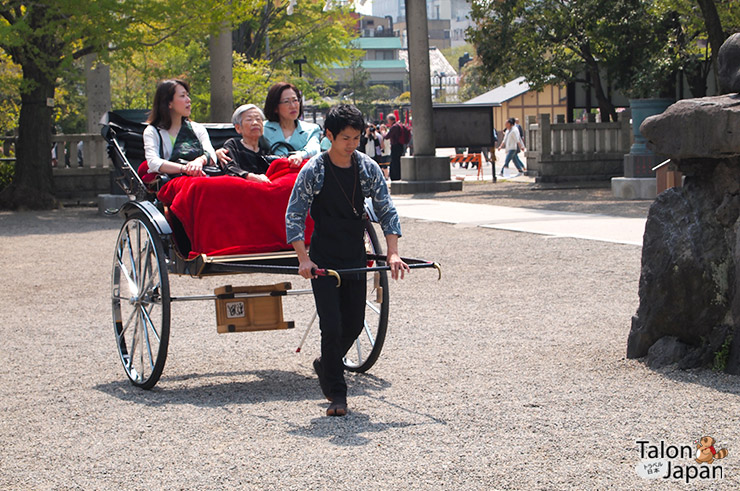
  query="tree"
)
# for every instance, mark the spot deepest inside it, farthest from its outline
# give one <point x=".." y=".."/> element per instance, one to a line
<point x="44" y="39"/>
<point x="560" y="41"/>
<point x="638" y="46"/>
<point x="269" y="32"/>
<point x="10" y="101"/>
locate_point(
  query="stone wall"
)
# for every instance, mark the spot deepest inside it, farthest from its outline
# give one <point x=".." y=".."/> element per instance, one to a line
<point x="558" y="152"/>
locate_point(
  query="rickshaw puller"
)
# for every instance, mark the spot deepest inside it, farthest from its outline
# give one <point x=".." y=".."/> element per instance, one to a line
<point x="333" y="186"/>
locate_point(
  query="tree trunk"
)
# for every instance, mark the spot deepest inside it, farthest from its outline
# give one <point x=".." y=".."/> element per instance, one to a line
<point x="714" y="30"/>
<point x="33" y="184"/>
<point x="608" y="112"/>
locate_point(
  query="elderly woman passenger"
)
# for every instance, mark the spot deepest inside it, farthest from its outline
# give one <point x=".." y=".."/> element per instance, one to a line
<point x="246" y="155"/>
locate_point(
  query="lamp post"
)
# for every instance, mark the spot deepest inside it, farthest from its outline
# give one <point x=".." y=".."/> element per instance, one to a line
<point x="300" y="63"/>
<point x="440" y="76"/>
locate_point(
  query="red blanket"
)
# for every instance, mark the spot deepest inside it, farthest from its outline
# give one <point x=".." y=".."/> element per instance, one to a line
<point x="230" y="215"/>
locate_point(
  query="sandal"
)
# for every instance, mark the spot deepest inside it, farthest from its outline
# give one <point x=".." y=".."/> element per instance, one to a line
<point x="337" y="409"/>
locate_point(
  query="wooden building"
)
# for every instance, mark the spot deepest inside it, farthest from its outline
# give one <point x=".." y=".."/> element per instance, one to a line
<point x="518" y="101"/>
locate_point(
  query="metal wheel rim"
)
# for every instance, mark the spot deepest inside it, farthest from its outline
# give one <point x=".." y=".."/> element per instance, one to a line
<point x="366" y="348"/>
<point x="141" y="303"/>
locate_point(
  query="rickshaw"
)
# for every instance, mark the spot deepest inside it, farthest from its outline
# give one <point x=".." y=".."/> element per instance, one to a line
<point x="148" y="250"/>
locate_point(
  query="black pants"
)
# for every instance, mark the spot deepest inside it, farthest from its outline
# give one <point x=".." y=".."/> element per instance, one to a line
<point x="341" y="319"/>
<point x="396" y="153"/>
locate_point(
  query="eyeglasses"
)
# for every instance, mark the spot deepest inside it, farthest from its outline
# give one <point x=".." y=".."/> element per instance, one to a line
<point x="294" y="100"/>
<point x="251" y="119"/>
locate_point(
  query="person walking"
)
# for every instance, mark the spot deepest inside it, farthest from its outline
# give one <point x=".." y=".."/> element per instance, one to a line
<point x="333" y="186"/>
<point x="394" y="135"/>
<point x="513" y="143"/>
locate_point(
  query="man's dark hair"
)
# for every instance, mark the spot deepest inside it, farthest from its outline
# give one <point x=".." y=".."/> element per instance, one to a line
<point x="344" y="115"/>
<point x="512" y="121"/>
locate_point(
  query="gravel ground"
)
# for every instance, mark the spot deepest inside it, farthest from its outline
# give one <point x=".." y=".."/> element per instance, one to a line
<point x="510" y="373"/>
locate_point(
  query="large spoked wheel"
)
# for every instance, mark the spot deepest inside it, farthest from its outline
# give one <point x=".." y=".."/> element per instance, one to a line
<point x="365" y="351"/>
<point x="141" y="301"/>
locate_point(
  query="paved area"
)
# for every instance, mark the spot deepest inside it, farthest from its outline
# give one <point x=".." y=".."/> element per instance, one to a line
<point x="509" y="373"/>
<point x="553" y="223"/>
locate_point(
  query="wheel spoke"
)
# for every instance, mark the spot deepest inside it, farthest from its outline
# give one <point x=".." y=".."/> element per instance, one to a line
<point x="358" y="347"/>
<point x="148" y="321"/>
<point x="130" y="250"/>
<point x="134" y="336"/>
<point x="372" y="307"/>
<point x="131" y="284"/>
<point x="369" y="335"/>
<point x="128" y="323"/>
<point x="146" y="260"/>
<point x="145" y="340"/>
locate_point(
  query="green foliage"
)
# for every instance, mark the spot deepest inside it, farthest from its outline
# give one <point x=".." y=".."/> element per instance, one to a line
<point x="551" y="41"/>
<point x="472" y="82"/>
<point x="722" y="355"/>
<point x="69" y="114"/>
<point x="253" y="80"/>
<point x="321" y="38"/>
<point x="637" y="46"/>
<point x="7" y="170"/>
<point x="10" y="100"/>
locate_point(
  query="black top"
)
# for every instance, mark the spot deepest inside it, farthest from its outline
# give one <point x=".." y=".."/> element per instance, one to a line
<point x="338" y="237"/>
<point x="245" y="160"/>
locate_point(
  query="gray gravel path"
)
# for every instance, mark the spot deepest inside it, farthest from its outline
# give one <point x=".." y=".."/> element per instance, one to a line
<point x="510" y="373"/>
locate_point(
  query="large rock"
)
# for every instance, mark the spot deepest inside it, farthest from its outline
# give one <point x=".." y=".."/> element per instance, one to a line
<point x="705" y="128"/>
<point x="689" y="310"/>
<point x="728" y="70"/>
<point x="690" y="254"/>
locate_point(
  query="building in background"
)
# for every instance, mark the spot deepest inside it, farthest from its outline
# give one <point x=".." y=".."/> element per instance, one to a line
<point x="444" y="78"/>
<point x="381" y="59"/>
<point x="457" y="12"/>
<point x="518" y="101"/>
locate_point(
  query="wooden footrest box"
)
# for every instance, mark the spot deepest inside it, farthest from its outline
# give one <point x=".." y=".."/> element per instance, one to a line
<point x="251" y="308"/>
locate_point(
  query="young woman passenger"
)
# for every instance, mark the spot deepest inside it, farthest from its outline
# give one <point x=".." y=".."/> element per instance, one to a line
<point x="283" y="108"/>
<point x="172" y="143"/>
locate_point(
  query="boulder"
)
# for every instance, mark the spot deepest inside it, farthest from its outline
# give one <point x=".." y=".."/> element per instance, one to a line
<point x="704" y="128"/>
<point x="689" y="312"/>
<point x="728" y="67"/>
<point x="666" y="351"/>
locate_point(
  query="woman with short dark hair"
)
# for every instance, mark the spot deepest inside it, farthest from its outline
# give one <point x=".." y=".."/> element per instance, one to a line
<point x="284" y="132"/>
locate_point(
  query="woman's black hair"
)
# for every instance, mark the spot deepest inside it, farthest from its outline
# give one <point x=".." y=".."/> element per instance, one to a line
<point x="273" y="100"/>
<point x="344" y="115"/>
<point x="159" y="116"/>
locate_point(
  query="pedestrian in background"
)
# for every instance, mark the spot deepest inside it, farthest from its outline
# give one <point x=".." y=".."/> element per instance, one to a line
<point x="394" y="135"/>
<point x="513" y="143"/>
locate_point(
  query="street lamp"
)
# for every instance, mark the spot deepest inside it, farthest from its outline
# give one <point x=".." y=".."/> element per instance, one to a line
<point x="441" y="76"/>
<point x="300" y="63"/>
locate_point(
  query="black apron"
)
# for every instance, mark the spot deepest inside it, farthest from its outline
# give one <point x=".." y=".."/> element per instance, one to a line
<point x="338" y="239"/>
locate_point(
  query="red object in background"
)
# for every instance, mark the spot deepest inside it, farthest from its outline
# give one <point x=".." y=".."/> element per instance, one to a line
<point x="381" y="117"/>
<point x="395" y="113"/>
